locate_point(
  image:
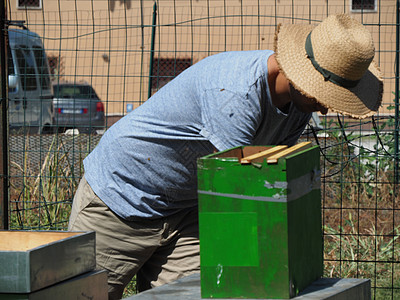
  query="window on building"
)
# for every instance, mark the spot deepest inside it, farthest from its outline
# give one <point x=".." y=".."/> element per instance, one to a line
<point x="29" y="4"/>
<point x="166" y="69"/>
<point x="363" y="5"/>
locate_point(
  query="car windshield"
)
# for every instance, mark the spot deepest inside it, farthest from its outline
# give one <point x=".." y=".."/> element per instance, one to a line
<point x="74" y="91"/>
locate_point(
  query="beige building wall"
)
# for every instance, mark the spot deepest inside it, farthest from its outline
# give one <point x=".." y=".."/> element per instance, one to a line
<point x="108" y="43"/>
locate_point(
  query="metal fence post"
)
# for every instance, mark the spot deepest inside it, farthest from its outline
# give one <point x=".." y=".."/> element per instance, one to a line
<point x="153" y="35"/>
<point x="396" y="99"/>
<point x="3" y="122"/>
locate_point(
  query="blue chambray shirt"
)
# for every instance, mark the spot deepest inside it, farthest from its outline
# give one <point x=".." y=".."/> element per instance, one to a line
<point x="145" y="164"/>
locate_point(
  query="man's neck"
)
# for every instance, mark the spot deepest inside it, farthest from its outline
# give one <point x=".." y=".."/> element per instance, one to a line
<point x="278" y="85"/>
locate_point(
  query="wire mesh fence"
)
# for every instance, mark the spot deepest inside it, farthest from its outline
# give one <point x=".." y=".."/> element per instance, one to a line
<point x="127" y="50"/>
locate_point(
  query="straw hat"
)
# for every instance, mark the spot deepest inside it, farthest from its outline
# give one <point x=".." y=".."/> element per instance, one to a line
<point x="332" y="62"/>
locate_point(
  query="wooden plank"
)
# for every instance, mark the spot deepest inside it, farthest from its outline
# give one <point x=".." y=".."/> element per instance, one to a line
<point x="25" y="240"/>
<point x="296" y="148"/>
<point x="236" y="152"/>
<point x="262" y="155"/>
<point x="250" y="150"/>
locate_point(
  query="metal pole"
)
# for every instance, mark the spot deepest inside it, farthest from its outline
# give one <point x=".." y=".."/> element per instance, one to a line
<point x="396" y="99"/>
<point x="153" y="36"/>
<point x="3" y="122"/>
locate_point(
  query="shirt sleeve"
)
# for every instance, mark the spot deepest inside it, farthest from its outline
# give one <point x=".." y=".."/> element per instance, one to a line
<point x="228" y="118"/>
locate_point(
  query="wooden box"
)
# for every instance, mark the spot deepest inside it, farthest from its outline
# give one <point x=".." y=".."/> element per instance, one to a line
<point x="90" y="285"/>
<point x="260" y="221"/>
<point x="32" y="260"/>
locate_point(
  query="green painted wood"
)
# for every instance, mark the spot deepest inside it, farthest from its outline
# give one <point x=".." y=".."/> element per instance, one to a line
<point x="260" y="226"/>
<point x="304" y="222"/>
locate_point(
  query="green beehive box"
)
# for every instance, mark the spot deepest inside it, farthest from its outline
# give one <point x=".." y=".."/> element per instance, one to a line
<point x="260" y="221"/>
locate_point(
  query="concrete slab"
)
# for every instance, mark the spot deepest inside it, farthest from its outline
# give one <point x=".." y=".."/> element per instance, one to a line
<point x="188" y="288"/>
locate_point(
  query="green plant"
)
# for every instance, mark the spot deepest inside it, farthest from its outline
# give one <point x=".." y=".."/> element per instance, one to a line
<point x="360" y="201"/>
<point x="130" y="289"/>
<point x="41" y="193"/>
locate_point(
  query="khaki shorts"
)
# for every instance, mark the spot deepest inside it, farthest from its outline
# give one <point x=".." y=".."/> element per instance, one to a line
<point x="158" y="251"/>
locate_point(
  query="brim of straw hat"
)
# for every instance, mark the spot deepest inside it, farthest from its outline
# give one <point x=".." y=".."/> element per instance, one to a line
<point x="359" y="102"/>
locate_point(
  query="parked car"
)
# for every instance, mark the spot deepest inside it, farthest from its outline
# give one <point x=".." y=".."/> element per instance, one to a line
<point x="29" y="88"/>
<point x="77" y="106"/>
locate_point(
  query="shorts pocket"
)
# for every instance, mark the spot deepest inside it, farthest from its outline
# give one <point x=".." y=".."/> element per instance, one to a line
<point x="83" y="197"/>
